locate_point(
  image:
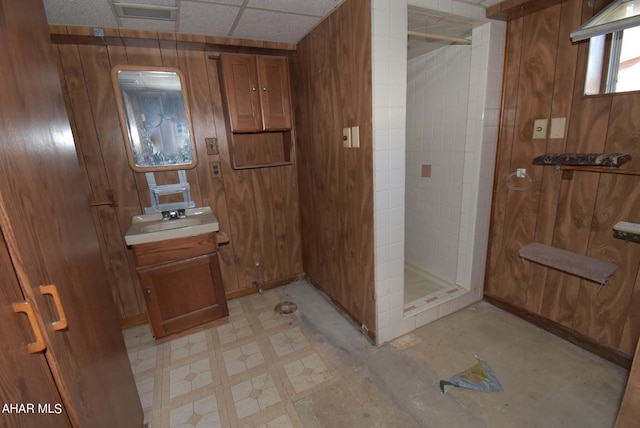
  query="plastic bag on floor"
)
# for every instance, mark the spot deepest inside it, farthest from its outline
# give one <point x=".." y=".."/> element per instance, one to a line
<point x="480" y="377"/>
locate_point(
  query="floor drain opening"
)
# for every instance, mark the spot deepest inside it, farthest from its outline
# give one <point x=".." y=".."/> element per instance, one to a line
<point x="285" y="308"/>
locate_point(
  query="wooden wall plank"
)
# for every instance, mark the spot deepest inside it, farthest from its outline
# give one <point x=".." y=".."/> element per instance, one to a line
<point x="262" y="194"/>
<point x="602" y="313"/>
<point x="587" y="134"/>
<point x="562" y="98"/>
<point x="336" y="188"/>
<point x="503" y="155"/>
<point x="576" y="214"/>
<point x="540" y="34"/>
<point x="243" y="226"/>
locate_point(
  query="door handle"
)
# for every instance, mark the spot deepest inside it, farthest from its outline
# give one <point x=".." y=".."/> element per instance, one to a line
<point x="38" y="345"/>
<point x="52" y="290"/>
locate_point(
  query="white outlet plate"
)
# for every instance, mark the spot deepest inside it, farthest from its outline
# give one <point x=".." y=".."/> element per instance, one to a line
<point x="557" y="127"/>
<point x="346" y="138"/>
<point x="540" y="129"/>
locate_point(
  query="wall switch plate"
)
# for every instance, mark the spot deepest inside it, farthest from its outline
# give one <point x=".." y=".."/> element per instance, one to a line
<point x="557" y="127"/>
<point x="355" y="137"/>
<point x="212" y="146"/>
<point x="346" y="138"/>
<point x="540" y="129"/>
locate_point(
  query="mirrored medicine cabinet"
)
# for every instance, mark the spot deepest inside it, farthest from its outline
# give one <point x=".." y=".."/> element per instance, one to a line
<point x="154" y="117"/>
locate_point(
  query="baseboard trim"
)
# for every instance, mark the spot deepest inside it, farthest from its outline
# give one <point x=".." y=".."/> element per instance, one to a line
<point x="134" y="321"/>
<point x="614" y="355"/>
<point x="265" y="286"/>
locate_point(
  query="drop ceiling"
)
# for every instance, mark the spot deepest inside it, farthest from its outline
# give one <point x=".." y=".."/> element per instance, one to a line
<point x="273" y="20"/>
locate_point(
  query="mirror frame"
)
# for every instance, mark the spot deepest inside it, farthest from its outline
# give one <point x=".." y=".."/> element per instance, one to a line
<point x="124" y="124"/>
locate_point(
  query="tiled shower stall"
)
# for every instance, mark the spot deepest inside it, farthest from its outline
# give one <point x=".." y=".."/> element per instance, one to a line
<point x="389" y="39"/>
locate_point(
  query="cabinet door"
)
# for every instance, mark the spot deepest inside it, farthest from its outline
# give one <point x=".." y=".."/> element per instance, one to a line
<point x="24" y="377"/>
<point x="183" y="294"/>
<point x="241" y="90"/>
<point x="273" y="75"/>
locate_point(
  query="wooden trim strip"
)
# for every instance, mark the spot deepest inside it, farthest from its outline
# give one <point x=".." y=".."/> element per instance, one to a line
<point x="81" y="35"/>
<point x="513" y="9"/>
<point x="235" y="294"/>
<point x="134" y="321"/>
<point x="615" y="356"/>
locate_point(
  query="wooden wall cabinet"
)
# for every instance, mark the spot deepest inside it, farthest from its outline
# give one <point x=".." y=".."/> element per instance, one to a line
<point x="257" y="92"/>
<point x="181" y="283"/>
<point x="258" y="109"/>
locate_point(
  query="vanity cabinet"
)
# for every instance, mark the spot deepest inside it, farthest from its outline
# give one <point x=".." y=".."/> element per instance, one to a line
<point x="181" y="282"/>
<point x="257" y="92"/>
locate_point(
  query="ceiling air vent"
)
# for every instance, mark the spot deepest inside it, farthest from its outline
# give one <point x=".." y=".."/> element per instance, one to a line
<point x="145" y="11"/>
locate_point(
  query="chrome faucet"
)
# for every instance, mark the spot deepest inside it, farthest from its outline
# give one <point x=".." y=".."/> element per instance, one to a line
<point x="173" y="214"/>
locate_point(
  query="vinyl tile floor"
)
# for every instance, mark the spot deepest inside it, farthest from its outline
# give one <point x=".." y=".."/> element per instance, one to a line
<point x="314" y="369"/>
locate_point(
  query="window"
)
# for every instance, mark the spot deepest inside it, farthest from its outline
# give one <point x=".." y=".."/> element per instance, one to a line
<point x="614" y="48"/>
<point x="614" y="62"/>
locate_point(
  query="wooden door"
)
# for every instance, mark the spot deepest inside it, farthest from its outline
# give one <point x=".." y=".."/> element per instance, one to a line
<point x="240" y="81"/>
<point x="273" y="75"/>
<point x="24" y="377"/>
<point x="49" y="229"/>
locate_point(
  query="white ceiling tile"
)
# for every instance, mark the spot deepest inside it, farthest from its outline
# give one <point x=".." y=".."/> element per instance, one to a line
<point x="274" y="26"/>
<point x="206" y="18"/>
<point x="316" y="7"/>
<point x="170" y="3"/>
<point x="93" y="13"/>
<point x="227" y="2"/>
<point x="149" y="24"/>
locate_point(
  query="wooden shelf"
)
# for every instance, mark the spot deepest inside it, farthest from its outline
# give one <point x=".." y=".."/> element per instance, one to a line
<point x="566" y="261"/>
<point x="567" y="170"/>
<point x="627" y="231"/>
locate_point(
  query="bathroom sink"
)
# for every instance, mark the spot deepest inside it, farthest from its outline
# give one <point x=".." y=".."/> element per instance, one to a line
<point x="151" y="228"/>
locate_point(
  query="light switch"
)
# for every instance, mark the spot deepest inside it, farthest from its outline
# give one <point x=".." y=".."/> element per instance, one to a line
<point x="557" y="127"/>
<point x="355" y="137"/>
<point x="540" y="129"/>
<point x="346" y="138"/>
<point x="212" y="146"/>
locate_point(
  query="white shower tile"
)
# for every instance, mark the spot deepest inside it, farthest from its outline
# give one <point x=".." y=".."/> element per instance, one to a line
<point x="380" y="23"/>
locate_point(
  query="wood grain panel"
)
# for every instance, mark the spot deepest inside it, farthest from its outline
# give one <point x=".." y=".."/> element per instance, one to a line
<point x="540" y="33"/>
<point x="561" y="107"/>
<point x="503" y="156"/>
<point x="240" y="203"/>
<point x="96" y="63"/>
<point x="262" y="194"/>
<point x="232" y="195"/>
<point x="331" y="74"/>
<point x="80" y="109"/>
<point x="587" y="134"/>
<point x="602" y="313"/>
<point x="576" y="214"/>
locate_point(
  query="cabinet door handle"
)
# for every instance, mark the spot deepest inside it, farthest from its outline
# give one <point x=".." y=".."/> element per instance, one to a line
<point x="52" y="290"/>
<point x="264" y="88"/>
<point x="149" y="294"/>
<point x="253" y="88"/>
<point x="38" y="345"/>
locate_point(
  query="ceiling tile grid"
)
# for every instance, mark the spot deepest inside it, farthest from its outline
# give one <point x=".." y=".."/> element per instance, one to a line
<point x="271" y="20"/>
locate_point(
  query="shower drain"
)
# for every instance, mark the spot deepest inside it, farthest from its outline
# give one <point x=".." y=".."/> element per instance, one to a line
<point x="285" y="308"/>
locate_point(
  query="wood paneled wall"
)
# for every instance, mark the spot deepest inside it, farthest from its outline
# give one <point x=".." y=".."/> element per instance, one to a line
<point x="257" y="208"/>
<point x="332" y="86"/>
<point x="544" y="78"/>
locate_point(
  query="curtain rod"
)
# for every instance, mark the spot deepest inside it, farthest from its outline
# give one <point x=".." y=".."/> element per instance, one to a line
<point x="439" y="37"/>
